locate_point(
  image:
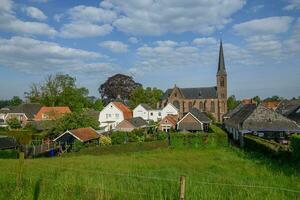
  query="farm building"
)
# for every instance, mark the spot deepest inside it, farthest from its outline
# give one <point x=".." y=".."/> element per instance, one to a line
<point x="168" y="122"/>
<point x="128" y="125"/>
<point x="261" y="121"/>
<point x="194" y="121"/>
<point x="84" y="135"/>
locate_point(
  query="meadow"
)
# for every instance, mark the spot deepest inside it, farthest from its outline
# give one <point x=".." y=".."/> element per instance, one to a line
<point x="212" y="172"/>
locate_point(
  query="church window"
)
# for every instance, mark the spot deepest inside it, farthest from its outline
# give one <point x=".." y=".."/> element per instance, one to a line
<point x="222" y="82"/>
<point x="201" y="106"/>
<point x="175" y="94"/>
<point x="212" y="106"/>
<point x="190" y="106"/>
<point x="176" y="104"/>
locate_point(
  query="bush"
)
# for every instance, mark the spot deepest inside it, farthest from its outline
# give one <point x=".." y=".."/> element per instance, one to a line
<point x="160" y="135"/>
<point x="194" y="140"/>
<point x="9" y="153"/>
<point x="118" y="137"/>
<point x="266" y="147"/>
<point x="295" y="147"/>
<point x="14" y="123"/>
<point x="105" y="141"/>
<point x="77" y="146"/>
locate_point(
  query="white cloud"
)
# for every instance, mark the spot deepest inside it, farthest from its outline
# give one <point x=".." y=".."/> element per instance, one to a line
<point x="159" y="17"/>
<point x="91" y="14"/>
<point x="133" y="40"/>
<point x="167" y="43"/>
<point x="292" y="5"/>
<point x="270" y="25"/>
<point x="35" y="13"/>
<point x="204" y="41"/>
<point x="292" y="44"/>
<point x="6" y="6"/>
<point x="36" y="56"/>
<point x="115" y="46"/>
<point x="81" y="30"/>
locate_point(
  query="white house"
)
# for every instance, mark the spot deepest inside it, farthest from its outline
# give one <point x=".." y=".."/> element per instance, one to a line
<point x="113" y="114"/>
<point x="169" y="109"/>
<point x="147" y="113"/>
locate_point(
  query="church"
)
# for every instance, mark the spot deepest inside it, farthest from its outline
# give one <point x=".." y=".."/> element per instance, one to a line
<point x="211" y="100"/>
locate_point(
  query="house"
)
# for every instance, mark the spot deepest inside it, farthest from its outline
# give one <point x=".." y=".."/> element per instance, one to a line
<point x="24" y="112"/>
<point x="248" y="101"/>
<point x="83" y="135"/>
<point x="169" y="109"/>
<point x="194" y="121"/>
<point x="271" y="104"/>
<point x="7" y="142"/>
<point x="113" y="114"/>
<point x="51" y="113"/>
<point x="168" y="122"/>
<point x="207" y="99"/>
<point x="129" y="125"/>
<point x="230" y="113"/>
<point x="261" y="121"/>
<point x="290" y="109"/>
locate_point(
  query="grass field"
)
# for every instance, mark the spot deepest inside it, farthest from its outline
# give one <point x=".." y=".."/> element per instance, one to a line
<point x="217" y="172"/>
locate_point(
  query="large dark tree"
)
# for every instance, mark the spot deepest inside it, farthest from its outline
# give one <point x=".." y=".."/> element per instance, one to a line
<point x="118" y="86"/>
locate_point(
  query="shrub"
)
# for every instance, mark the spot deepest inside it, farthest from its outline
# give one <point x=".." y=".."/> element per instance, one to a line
<point x="9" y="153"/>
<point x="295" y="147"/>
<point x="160" y="135"/>
<point x="118" y="137"/>
<point x="266" y="147"/>
<point x="105" y="141"/>
<point x="14" y="123"/>
<point x="77" y="145"/>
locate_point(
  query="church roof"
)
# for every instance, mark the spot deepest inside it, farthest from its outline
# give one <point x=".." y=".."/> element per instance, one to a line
<point x="221" y="64"/>
<point x="195" y="93"/>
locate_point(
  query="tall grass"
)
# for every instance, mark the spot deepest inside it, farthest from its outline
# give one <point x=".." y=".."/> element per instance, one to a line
<point x="211" y="173"/>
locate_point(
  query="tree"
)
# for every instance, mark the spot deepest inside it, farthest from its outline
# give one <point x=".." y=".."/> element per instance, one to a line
<point x="98" y="105"/>
<point x="72" y="121"/>
<point x="149" y="96"/>
<point x="257" y="99"/>
<point x="118" y="86"/>
<point x="274" y="98"/>
<point x="232" y="102"/>
<point x="15" y="101"/>
<point x="14" y="123"/>
<point x="59" y="90"/>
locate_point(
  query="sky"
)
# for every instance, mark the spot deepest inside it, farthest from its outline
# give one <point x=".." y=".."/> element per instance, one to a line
<point x="159" y="42"/>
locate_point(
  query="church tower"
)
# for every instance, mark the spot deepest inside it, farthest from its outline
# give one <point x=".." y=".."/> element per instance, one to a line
<point x="221" y="84"/>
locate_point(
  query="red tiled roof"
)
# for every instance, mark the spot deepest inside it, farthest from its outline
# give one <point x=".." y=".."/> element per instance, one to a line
<point x="85" y="134"/>
<point x="271" y="104"/>
<point x="171" y="118"/>
<point x="52" y="112"/>
<point x="126" y="111"/>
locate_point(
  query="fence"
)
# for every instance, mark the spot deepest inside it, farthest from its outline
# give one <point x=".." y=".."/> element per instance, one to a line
<point x="35" y="150"/>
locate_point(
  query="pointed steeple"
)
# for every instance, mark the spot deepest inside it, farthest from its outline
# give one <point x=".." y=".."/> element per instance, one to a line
<point x="221" y="64"/>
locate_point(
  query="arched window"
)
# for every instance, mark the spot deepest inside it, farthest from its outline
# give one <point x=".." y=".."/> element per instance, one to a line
<point x="176" y="104"/>
<point x="212" y="106"/>
<point x="204" y="106"/>
<point x="222" y="82"/>
<point x="201" y="106"/>
<point x="190" y="106"/>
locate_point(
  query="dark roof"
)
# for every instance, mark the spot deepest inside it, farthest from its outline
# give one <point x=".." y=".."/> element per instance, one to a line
<point x="221" y="64"/>
<point x="146" y="106"/>
<point x="7" y="142"/>
<point x="241" y="115"/>
<point x="137" y="122"/>
<point x="195" y="93"/>
<point x="29" y="109"/>
<point x="287" y="107"/>
<point x="201" y="116"/>
<point x="260" y="118"/>
<point x="230" y="113"/>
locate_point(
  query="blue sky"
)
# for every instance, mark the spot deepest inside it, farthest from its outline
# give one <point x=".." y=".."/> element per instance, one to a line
<point x="159" y="42"/>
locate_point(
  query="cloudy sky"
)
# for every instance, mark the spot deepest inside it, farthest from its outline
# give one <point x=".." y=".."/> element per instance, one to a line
<point x="159" y="42"/>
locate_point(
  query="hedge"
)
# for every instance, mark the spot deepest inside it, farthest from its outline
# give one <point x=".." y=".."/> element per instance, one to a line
<point x="267" y="147"/>
<point x="295" y="147"/>
<point x="9" y="153"/>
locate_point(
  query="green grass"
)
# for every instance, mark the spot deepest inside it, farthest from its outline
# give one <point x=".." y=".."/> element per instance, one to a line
<point x="213" y="172"/>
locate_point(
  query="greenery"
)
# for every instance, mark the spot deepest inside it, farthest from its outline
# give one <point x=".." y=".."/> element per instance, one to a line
<point x="149" y="96"/>
<point x="118" y="137"/>
<point x="8" y="153"/>
<point x="77" y="146"/>
<point x="72" y="121"/>
<point x="15" y="101"/>
<point x="61" y="90"/>
<point x="232" y="102"/>
<point x="119" y="86"/>
<point x="24" y="137"/>
<point x="105" y="141"/>
<point x="274" y="98"/>
<point x="295" y="147"/>
<point x="14" y="123"/>
<point x="257" y="99"/>
<point x="267" y="147"/>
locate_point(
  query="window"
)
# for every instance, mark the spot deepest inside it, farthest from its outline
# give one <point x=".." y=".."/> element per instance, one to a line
<point x="204" y="106"/>
<point x="201" y="106"/>
<point x="151" y="114"/>
<point x="106" y="116"/>
<point x="159" y="113"/>
<point x="175" y="94"/>
<point x="117" y="116"/>
<point x="212" y="106"/>
<point x="190" y="106"/>
<point x="45" y="116"/>
<point x="222" y="82"/>
<point x="176" y="104"/>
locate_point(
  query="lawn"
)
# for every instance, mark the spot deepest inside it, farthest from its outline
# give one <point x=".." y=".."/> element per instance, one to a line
<point x="213" y="172"/>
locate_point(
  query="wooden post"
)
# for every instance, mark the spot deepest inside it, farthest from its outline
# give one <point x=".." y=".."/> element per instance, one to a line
<point x="182" y="188"/>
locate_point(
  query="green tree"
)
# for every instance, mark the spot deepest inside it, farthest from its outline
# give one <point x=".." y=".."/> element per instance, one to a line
<point x="149" y="96"/>
<point x="232" y="102"/>
<point x="98" y="105"/>
<point x="72" y="121"/>
<point x="15" y="101"/>
<point x="14" y="123"/>
<point x="257" y="99"/>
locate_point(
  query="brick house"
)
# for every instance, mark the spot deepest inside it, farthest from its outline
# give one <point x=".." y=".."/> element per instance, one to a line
<point x="207" y="99"/>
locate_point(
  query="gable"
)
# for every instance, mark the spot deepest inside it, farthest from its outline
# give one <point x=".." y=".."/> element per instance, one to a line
<point x="125" y="124"/>
<point x="189" y="118"/>
<point x="139" y="108"/>
<point x="176" y="93"/>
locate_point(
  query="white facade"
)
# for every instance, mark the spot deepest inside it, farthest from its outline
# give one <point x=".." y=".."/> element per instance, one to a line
<point x="110" y="117"/>
<point x="154" y="115"/>
<point x="169" y="109"/>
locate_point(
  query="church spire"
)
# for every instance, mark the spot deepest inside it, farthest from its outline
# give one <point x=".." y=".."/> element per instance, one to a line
<point x="221" y="64"/>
